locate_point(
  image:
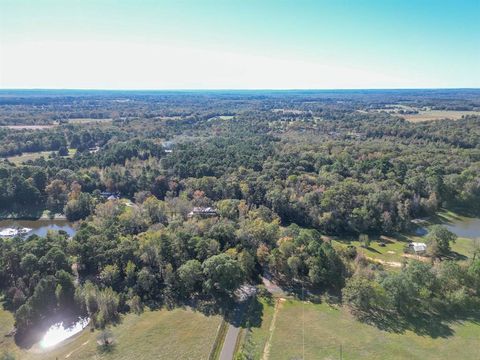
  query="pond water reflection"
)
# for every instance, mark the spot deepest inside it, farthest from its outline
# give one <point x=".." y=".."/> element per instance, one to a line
<point x="465" y="227"/>
<point x="39" y="227"/>
<point x="58" y="332"/>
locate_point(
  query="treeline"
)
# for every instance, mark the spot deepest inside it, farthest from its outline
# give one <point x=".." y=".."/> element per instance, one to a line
<point x="355" y="186"/>
<point x="415" y="297"/>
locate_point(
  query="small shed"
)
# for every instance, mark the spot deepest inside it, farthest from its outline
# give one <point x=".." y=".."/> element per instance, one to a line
<point x="418" y="247"/>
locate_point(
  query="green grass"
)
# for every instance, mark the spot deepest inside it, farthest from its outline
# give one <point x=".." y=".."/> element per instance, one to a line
<point x="326" y="328"/>
<point x="6" y="325"/>
<point x="19" y="159"/>
<point x="218" y="342"/>
<point x="163" y="334"/>
<point x="464" y="246"/>
<point x="255" y="337"/>
<point x="392" y="254"/>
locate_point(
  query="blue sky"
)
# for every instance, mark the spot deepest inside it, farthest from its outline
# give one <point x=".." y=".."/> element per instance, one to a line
<point x="239" y="44"/>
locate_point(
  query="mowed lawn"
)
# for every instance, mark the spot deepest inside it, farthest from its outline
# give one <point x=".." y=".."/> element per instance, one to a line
<point x="19" y="159"/>
<point x="163" y="334"/>
<point x="392" y="254"/>
<point x="328" y="328"/>
<point x="6" y="324"/>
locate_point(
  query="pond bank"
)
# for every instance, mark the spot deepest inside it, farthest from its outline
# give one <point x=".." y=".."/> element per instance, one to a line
<point x="40" y="226"/>
<point x="32" y="216"/>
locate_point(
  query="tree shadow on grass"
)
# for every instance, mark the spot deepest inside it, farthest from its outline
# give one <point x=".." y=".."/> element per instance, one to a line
<point x="468" y="211"/>
<point x="369" y="248"/>
<point x="248" y="313"/>
<point x="432" y="324"/>
<point x="455" y="256"/>
<point x="253" y="315"/>
<point x="403" y="237"/>
<point x="22" y="212"/>
<point x="106" y="348"/>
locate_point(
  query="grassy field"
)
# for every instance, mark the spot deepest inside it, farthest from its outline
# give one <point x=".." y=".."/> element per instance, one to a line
<point x="326" y="328"/>
<point x="177" y="334"/>
<point x="392" y="254"/>
<point x="35" y="155"/>
<point x="87" y="120"/>
<point x="221" y="117"/>
<point x="29" y="127"/>
<point x="431" y="115"/>
<point x="6" y="324"/>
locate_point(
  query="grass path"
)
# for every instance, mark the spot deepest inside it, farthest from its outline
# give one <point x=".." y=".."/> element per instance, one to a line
<point x="266" y="350"/>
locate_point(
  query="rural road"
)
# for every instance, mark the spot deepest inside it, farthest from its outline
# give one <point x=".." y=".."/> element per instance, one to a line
<point x="228" y="349"/>
<point x="229" y="344"/>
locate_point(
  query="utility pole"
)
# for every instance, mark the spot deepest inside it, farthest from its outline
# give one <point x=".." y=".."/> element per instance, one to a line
<point x="341" y="352"/>
<point x="303" y="323"/>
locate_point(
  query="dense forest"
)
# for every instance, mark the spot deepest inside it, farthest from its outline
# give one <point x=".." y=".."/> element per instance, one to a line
<point x="280" y="171"/>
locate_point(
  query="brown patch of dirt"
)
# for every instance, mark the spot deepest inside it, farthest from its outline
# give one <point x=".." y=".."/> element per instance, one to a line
<point x="417" y="257"/>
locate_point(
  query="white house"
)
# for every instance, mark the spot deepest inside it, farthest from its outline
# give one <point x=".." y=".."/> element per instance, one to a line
<point x="418" y="247"/>
<point x="202" y="211"/>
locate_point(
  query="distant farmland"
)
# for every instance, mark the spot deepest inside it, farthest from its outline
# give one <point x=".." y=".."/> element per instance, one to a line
<point x="431" y="115"/>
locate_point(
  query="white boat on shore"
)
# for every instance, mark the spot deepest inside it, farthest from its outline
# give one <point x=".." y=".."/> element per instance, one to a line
<point x="11" y="232"/>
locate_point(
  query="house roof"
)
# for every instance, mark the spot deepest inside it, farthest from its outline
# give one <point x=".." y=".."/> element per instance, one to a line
<point x="202" y="211"/>
<point x="417" y="246"/>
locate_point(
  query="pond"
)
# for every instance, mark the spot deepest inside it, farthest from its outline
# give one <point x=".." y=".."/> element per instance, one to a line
<point x="60" y="332"/>
<point x="465" y="227"/>
<point x="39" y="227"/>
<point x="462" y="226"/>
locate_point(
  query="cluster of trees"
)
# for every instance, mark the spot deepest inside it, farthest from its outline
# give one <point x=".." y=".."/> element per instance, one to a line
<point x="16" y="142"/>
<point x="132" y="255"/>
<point x="20" y="187"/>
<point x="36" y="277"/>
<point x="302" y="257"/>
<point x="418" y="290"/>
<point x="439" y="240"/>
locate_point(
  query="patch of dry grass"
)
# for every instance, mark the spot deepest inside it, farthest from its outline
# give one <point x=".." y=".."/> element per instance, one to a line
<point x="431" y="115"/>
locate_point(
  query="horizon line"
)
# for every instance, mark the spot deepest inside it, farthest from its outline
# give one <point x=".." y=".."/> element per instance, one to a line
<point x="233" y="89"/>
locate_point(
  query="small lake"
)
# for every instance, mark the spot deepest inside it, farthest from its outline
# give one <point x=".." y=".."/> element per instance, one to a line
<point x="60" y="332"/>
<point x="465" y="227"/>
<point x="39" y="227"/>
